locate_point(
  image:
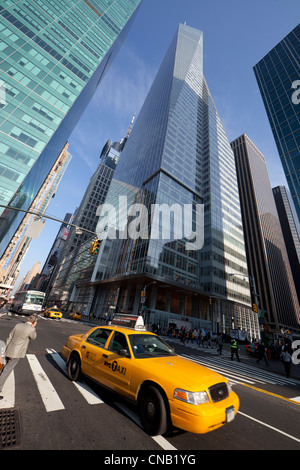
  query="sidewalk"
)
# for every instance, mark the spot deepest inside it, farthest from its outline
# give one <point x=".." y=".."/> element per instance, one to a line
<point x="275" y="364"/>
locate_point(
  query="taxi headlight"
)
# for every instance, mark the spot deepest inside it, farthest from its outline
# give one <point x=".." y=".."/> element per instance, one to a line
<point x="194" y="398"/>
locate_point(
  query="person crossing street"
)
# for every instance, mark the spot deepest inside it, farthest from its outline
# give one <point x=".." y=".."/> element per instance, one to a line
<point x="16" y="346"/>
<point x="234" y="349"/>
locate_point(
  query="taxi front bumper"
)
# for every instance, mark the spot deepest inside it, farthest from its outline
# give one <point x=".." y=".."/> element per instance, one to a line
<point x="201" y="419"/>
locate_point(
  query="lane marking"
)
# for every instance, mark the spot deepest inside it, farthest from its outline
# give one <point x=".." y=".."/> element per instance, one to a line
<point x="8" y="392"/>
<point x="257" y="374"/>
<point x="270" y="427"/>
<point x="160" y="440"/>
<point x="49" y="396"/>
<point x="91" y="397"/>
<point x="295" y="401"/>
<point x="227" y="373"/>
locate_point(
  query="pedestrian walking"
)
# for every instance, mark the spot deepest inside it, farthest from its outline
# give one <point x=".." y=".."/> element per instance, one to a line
<point x="261" y="353"/>
<point x="287" y="361"/>
<point x="209" y="339"/>
<point x="202" y="337"/>
<point x="220" y="344"/>
<point x="234" y="349"/>
<point x="16" y="347"/>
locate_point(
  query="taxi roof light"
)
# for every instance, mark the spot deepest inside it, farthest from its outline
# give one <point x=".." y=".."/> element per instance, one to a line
<point x="129" y="321"/>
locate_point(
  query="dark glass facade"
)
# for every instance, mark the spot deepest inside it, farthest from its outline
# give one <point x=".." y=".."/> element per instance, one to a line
<point x="53" y="56"/>
<point x="278" y="78"/>
<point x="290" y="231"/>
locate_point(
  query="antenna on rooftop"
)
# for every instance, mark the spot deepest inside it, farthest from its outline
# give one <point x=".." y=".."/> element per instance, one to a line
<point x="130" y="127"/>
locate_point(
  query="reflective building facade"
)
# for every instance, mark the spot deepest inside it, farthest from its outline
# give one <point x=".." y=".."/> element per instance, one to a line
<point x="278" y="78"/>
<point x="53" y="55"/>
<point x="290" y="231"/>
<point x="75" y="261"/>
<point x="178" y="156"/>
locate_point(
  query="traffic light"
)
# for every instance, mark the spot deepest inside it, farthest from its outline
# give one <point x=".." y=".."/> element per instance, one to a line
<point x="91" y="252"/>
<point x="143" y="293"/>
<point x="94" y="248"/>
<point x="97" y="244"/>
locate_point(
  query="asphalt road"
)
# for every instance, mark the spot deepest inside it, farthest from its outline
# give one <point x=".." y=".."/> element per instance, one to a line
<point x="56" y="414"/>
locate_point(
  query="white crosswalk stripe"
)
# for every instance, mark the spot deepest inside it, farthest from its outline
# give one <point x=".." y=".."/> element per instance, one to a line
<point x="8" y="393"/>
<point x="90" y="396"/>
<point x="238" y="372"/>
<point x="49" y="395"/>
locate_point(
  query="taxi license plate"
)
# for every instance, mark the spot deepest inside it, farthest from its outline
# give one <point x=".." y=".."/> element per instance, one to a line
<point x="229" y="414"/>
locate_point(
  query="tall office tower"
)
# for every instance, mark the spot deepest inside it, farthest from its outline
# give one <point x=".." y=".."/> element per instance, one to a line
<point x="53" y="56"/>
<point x="26" y="281"/>
<point x="290" y="231"/>
<point x="178" y="154"/>
<point x="75" y="261"/>
<point x="51" y="261"/>
<point x="31" y="225"/>
<point x="278" y="78"/>
<point x="267" y="257"/>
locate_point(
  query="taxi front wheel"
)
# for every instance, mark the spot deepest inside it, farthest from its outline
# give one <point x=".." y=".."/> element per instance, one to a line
<point x="74" y="367"/>
<point x="152" y="411"/>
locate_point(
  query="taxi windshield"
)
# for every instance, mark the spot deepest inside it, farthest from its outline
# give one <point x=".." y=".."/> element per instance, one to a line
<point x="149" y="346"/>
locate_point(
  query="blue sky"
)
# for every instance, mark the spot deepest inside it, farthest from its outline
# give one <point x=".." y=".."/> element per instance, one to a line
<point x="237" y="34"/>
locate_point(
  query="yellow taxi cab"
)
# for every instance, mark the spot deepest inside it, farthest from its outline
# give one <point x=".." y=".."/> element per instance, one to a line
<point x="53" y="313"/>
<point x="75" y="315"/>
<point x="168" y="389"/>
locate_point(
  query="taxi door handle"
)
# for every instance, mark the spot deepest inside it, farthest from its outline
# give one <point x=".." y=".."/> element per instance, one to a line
<point x="105" y="355"/>
<point x="83" y="347"/>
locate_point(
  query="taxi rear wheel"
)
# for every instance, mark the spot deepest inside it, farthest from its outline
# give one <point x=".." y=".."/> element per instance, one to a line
<point x="74" y="367"/>
<point x="153" y="412"/>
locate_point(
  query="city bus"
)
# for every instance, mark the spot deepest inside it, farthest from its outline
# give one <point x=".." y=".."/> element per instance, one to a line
<point x="28" y="302"/>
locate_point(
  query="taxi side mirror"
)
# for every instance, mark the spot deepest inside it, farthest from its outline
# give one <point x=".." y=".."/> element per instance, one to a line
<point x="124" y="353"/>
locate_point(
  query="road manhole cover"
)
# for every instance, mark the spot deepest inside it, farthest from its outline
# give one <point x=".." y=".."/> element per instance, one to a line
<point x="10" y="428"/>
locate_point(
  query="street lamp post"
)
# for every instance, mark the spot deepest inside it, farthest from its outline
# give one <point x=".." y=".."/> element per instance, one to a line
<point x="254" y="287"/>
<point x="143" y="300"/>
<point x="255" y="307"/>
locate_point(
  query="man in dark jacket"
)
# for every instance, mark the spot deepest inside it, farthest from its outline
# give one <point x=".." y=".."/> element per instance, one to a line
<point x="261" y="353"/>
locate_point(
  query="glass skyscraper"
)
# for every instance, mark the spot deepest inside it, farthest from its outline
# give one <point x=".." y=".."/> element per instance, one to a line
<point x="53" y="54"/>
<point x="267" y="255"/>
<point x="278" y="77"/>
<point x="178" y="156"/>
<point x="290" y="231"/>
<point x="75" y="261"/>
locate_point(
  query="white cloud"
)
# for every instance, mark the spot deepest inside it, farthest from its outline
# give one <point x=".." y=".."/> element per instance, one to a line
<point x="125" y="86"/>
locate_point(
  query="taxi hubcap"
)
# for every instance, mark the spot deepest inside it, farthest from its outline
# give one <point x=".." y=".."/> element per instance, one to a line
<point x="151" y="409"/>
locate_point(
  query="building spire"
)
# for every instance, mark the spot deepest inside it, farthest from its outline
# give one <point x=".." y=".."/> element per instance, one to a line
<point x="130" y="127"/>
<point x="123" y="141"/>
